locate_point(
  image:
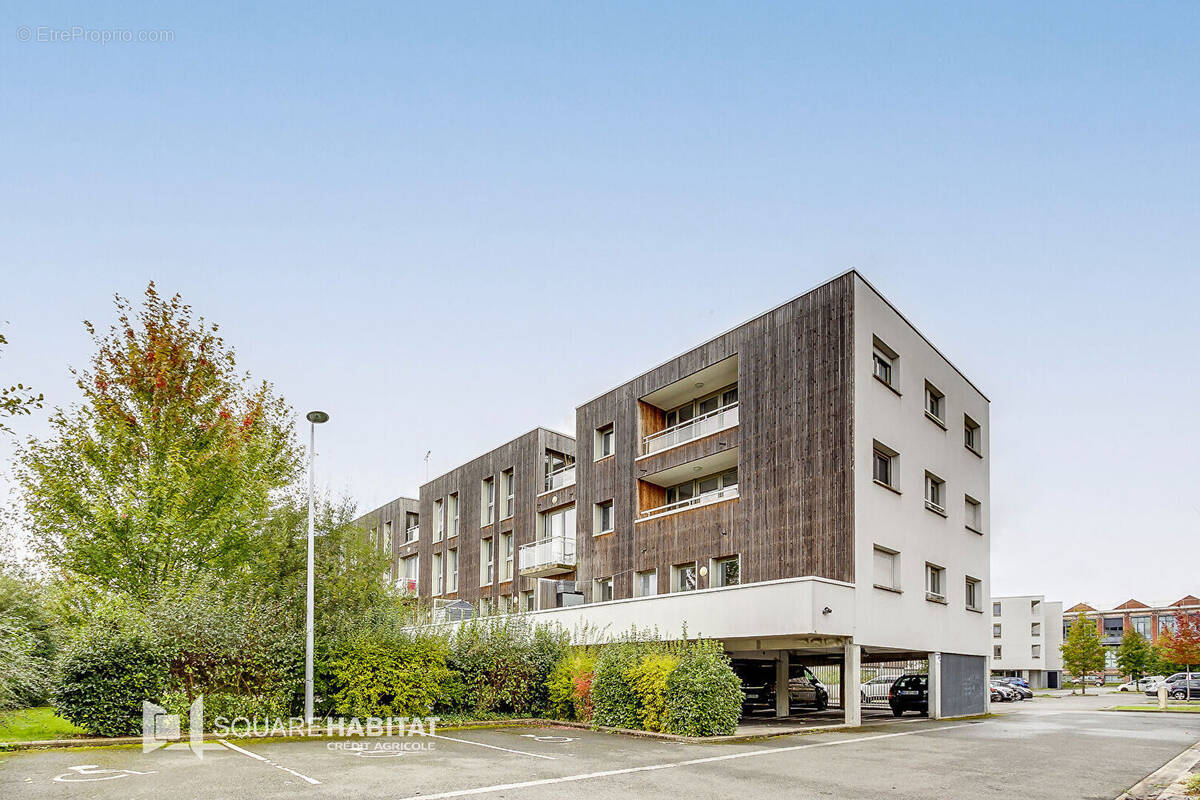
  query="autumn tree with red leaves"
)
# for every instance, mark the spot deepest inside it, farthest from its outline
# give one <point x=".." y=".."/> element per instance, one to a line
<point x="164" y="474"/>
<point x="1182" y="645"/>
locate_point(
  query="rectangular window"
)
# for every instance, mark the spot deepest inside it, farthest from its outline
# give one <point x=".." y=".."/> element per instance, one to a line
<point x="1036" y="650"/>
<point x="1142" y="626"/>
<point x="996" y="651"/>
<point x="385" y="546"/>
<point x="883" y="464"/>
<point x="887" y="568"/>
<point x="973" y="593"/>
<point x="1167" y="622"/>
<point x="412" y="528"/>
<point x="487" y="556"/>
<point x="452" y="570"/>
<point x="559" y="523"/>
<point x="972" y="439"/>
<point x="716" y="487"/>
<point x="935" y="583"/>
<point x="506" y="547"/>
<point x="883" y="362"/>
<point x="935" y="493"/>
<point x="1035" y="606"/>
<point x="410" y="569"/>
<point x="683" y="577"/>
<point x="604" y="442"/>
<point x="602" y="519"/>
<point x="453" y="514"/>
<point x="935" y="404"/>
<point x="1114" y="626"/>
<point x="487" y="504"/>
<point x="995" y="609"/>
<point x="996" y="630"/>
<point x="439" y="577"/>
<point x="527" y="600"/>
<point x="973" y="511"/>
<point x="645" y="583"/>
<point x="508" y="484"/>
<point x="727" y="571"/>
<point x="602" y="590"/>
<point x="1035" y="629"/>
<point x="439" y="521"/>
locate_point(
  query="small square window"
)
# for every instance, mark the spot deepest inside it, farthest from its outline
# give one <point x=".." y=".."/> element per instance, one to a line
<point x="935" y="404"/>
<point x="935" y="493"/>
<point x="602" y="520"/>
<point x="603" y="590"/>
<point x="883" y="462"/>
<point x="604" y="442"/>
<point x="887" y="568"/>
<point x="935" y="583"/>
<point x="972" y="438"/>
<point x="726" y="571"/>
<point x="883" y="362"/>
<point x="683" y="577"/>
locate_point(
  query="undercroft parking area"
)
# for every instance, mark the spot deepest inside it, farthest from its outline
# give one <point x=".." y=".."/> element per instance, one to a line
<point x="1063" y="749"/>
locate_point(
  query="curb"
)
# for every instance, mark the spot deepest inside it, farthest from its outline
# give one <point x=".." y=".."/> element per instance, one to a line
<point x="1166" y="782"/>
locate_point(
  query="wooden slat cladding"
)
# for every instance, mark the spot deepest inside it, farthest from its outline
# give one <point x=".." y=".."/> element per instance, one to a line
<point x="396" y="512"/>
<point x="525" y="457"/>
<point x="795" y="437"/>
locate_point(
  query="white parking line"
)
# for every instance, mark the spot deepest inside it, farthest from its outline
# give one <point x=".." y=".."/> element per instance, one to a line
<point x="489" y="746"/>
<point x="313" y="781"/>
<point x="500" y="787"/>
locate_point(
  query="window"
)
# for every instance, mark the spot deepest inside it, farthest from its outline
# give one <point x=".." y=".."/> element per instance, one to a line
<point x="1114" y="626"/>
<point x="506" y="604"/>
<point x="412" y="528"/>
<point x="645" y="583"/>
<point x="453" y="514"/>
<point x="683" y="577"/>
<point x="996" y="651"/>
<point x="386" y="544"/>
<point x="1036" y="650"/>
<point x="935" y="583"/>
<point x="726" y="571"/>
<point x="1142" y="626"/>
<point x="935" y="492"/>
<point x="996" y="630"/>
<point x="887" y="568"/>
<point x="487" y="504"/>
<point x="439" y="577"/>
<point x="602" y="519"/>
<point x="1167" y="622"/>
<point x="604" y="442"/>
<point x="439" y="521"/>
<point x="935" y="404"/>
<point x="557" y="466"/>
<point x="485" y="606"/>
<point x="972" y="595"/>
<point x="883" y="462"/>
<point x="972" y="439"/>
<point x="410" y="569"/>
<point x="1035" y="606"/>
<point x="1035" y="629"/>
<point x="506" y="547"/>
<point x="1110" y="658"/>
<point x="706" y="404"/>
<point x="973" y="511"/>
<point x="559" y="523"/>
<point x="509" y="486"/>
<point x="602" y="590"/>
<point x="693" y="490"/>
<point x="995" y="609"/>
<point x="884" y="361"/>
<point x="487" y="561"/>
<point x="527" y="600"/>
<point x="452" y="570"/>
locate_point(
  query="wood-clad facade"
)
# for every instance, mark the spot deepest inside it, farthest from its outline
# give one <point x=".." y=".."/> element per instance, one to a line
<point x="525" y="459"/>
<point x="387" y="526"/>
<point x="792" y="448"/>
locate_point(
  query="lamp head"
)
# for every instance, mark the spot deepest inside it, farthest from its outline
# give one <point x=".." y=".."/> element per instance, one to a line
<point x="317" y="417"/>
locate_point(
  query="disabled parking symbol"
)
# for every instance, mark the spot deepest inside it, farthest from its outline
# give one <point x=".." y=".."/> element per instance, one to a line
<point x="85" y="773"/>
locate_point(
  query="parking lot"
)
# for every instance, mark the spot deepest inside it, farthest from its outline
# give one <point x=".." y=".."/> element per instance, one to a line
<point x="1047" y="748"/>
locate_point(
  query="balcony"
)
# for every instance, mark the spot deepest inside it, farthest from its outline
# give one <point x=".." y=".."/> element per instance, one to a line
<point x="545" y="557"/>
<point x="407" y="585"/>
<point x="564" y="476"/>
<point x="718" y="420"/>
<point x="412" y="534"/>
<point x="708" y="498"/>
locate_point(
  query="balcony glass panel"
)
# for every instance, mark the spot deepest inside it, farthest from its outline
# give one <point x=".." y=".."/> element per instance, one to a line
<point x="560" y="478"/>
<point x="697" y="427"/>
<point x="728" y="493"/>
<point x="551" y="551"/>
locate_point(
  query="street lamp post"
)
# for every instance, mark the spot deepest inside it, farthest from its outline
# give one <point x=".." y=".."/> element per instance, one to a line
<point x="314" y="418"/>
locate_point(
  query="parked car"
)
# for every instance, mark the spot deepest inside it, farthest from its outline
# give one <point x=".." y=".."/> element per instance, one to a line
<point x="1015" y="681"/>
<point x="1023" y="692"/>
<point x="1182" y="689"/>
<point x="994" y="695"/>
<point x="876" y="689"/>
<point x="1169" y="681"/>
<point x="758" y="686"/>
<point x="909" y="693"/>
<point x="1142" y="685"/>
<point x="1007" y="693"/>
<point x="806" y="689"/>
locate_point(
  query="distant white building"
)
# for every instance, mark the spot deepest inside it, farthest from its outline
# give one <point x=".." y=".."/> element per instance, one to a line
<point x="1026" y="639"/>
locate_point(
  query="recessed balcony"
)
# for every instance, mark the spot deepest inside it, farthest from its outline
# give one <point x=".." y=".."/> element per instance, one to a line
<point x="554" y="555"/>
<point x="703" y="403"/>
<point x="703" y="499"/>
<point x="564" y="476"/>
<point x="412" y="534"/>
<point x="721" y="419"/>
<point x="698" y="483"/>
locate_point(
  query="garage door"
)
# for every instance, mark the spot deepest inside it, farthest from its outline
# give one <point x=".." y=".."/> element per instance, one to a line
<point x="964" y="685"/>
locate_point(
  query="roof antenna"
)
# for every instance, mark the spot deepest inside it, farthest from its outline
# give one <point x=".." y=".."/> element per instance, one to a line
<point x="427" y="454"/>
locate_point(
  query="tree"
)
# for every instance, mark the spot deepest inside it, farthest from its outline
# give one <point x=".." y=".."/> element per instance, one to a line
<point x="1082" y="652"/>
<point x="1135" y="656"/>
<point x="1182" y="645"/>
<point x="16" y="400"/>
<point x="165" y="472"/>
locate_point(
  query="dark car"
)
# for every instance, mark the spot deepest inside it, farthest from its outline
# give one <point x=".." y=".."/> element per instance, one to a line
<point x="758" y="686"/>
<point x="994" y="695"/>
<point x="1023" y="691"/>
<point x="909" y="693"/>
<point x="1184" y="689"/>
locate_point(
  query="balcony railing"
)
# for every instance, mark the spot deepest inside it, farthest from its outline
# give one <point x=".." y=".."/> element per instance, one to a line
<point x="412" y="534"/>
<point x="695" y="428"/>
<point x="563" y="476"/>
<point x="407" y="585"/>
<point x="715" y="496"/>
<point x="551" y="556"/>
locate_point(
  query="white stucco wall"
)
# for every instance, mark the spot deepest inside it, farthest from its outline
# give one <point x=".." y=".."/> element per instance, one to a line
<point x="1016" y="638"/>
<point x="900" y="521"/>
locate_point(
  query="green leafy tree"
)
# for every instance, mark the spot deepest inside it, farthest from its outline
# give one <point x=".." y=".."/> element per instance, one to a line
<point x="16" y="400"/>
<point x="1082" y="651"/>
<point x="1135" y="656"/>
<point x="164" y="472"/>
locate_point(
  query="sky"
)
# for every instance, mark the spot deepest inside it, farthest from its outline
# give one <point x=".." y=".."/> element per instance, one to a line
<point x="448" y="223"/>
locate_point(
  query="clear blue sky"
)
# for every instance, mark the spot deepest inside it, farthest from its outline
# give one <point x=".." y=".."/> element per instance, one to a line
<point x="448" y="223"/>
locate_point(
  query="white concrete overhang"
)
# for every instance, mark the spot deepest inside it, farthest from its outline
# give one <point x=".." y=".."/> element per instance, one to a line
<point x="698" y="384"/>
<point x="700" y="468"/>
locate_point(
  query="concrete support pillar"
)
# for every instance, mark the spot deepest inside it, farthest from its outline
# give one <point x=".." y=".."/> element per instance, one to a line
<point x="851" y="677"/>
<point x="783" y="704"/>
<point x="935" y="685"/>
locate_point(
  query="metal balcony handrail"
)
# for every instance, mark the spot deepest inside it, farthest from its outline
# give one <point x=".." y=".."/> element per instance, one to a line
<point x="559" y="478"/>
<point x="715" y="420"/>
<point x="716" y="495"/>
<point x="548" y="550"/>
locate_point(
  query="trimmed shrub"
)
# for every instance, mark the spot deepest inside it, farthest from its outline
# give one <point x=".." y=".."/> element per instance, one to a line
<point x="614" y="702"/>
<point x="503" y="665"/>
<point x="106" y="672"/>
<point x="648" y="681"/>
<point x="703" y="694"/>
<point x="381" y="672"/>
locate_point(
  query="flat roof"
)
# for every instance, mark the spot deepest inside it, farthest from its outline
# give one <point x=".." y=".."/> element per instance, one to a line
<point x="488" y="452"/>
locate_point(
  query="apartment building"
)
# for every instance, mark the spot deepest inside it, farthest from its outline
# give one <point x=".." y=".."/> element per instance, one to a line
<point x="1148" y="619"/>
<point x="810" y="487"/>
<point x="1027" y="633"/>
<point x="394" y="529"/>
